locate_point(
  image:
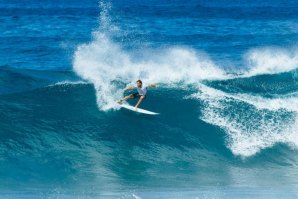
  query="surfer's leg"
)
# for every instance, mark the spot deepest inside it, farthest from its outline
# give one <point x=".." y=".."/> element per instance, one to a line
<point x="140" y="100"/>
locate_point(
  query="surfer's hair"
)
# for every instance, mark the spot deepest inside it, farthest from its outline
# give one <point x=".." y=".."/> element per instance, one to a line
<point x="139" y="81"/>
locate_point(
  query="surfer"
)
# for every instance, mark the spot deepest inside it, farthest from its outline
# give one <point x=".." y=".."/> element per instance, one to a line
<point x="141" y="92"/>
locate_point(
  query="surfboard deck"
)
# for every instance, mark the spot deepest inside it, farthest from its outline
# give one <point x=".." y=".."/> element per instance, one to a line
<point x="138" y="110"/>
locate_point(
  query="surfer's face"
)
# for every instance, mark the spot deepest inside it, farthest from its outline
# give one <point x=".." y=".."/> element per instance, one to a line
<point x="139" y="84"/>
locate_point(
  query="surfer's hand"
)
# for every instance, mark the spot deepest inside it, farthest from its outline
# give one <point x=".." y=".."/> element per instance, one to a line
<point x="152" y="85"/>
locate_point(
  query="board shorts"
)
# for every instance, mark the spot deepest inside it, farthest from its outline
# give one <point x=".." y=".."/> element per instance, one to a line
<point x="137" y="95"/>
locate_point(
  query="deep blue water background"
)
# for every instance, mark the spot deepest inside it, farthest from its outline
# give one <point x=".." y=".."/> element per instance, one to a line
<point x="56" y="142"/>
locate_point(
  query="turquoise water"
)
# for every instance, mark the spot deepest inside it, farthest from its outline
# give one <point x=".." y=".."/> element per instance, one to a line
<point x="227" y="96"/>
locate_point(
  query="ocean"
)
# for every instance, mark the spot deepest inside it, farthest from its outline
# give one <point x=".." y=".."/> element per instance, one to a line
<point x="227" y="94"/>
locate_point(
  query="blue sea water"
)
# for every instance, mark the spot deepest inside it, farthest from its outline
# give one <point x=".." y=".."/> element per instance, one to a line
<point x="227" y="75"/>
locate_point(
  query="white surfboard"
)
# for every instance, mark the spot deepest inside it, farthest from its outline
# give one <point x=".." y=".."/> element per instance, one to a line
<point x="139" y="110"/>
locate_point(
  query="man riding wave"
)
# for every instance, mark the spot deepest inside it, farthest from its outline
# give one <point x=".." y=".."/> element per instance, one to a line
<point x="141" y="92"/>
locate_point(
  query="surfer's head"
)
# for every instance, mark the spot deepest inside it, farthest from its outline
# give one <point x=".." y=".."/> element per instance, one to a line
<point x="139" y="83"/>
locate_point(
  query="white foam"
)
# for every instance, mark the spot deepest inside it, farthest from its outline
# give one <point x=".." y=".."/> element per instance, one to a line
<point x="252" y="123"/>
<point x="287" y="102"/>
<point x="67" y="82"/>
<point x="271" y="60"/>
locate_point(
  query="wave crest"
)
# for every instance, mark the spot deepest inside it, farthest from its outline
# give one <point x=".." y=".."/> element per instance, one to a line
<point x="269" y="60"/>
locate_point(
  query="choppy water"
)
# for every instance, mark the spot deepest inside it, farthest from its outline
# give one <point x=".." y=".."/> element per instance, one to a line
<point x="228" y="97"/>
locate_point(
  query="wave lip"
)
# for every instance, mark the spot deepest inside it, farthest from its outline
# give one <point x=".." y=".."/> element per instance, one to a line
<point x="269" y="60"/>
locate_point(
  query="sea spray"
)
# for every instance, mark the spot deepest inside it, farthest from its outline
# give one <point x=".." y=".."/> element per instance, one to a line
<point x="271" y="60"/>
<point x="105" y="63"/>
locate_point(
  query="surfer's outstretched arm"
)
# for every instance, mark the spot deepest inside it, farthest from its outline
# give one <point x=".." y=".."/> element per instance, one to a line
<point x="129" y="88"/>
<point x="140" y="100"/>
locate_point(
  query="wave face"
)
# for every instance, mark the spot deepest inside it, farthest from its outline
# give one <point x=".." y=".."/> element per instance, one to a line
<point x="227" y="92"/>
<point x="252" y="121"/>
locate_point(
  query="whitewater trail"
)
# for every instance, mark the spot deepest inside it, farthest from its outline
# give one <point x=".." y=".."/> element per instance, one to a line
<point x="251" y="122"/>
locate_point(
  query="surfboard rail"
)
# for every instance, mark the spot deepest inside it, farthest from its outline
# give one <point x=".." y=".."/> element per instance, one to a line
<point x="138" y="110"/>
